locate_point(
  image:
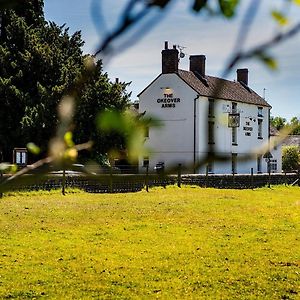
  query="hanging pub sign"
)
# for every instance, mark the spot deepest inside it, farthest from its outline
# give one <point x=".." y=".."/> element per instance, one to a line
<point x="234" y="120"/>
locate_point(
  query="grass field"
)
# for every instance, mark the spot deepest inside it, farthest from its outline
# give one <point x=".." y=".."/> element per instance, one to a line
<point x="188" y="243"/>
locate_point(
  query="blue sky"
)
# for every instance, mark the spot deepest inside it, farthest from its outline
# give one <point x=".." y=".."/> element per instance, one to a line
<point x="141" y="62"/>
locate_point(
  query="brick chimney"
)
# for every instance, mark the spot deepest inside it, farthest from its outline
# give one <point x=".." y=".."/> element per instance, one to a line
<point x="197" y="64"/>
<point x="242" y="76"/>
<point x="169" y="59"/>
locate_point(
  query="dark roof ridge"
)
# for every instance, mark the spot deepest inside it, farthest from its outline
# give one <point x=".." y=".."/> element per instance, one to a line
<point x="222" y="88"/>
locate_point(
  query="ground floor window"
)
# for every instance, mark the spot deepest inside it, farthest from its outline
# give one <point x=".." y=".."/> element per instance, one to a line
<point x="146" y="161"/>
<point x="273" y="165"/>
<point x="234" y="163"/>
<point x="210" y="167"/>
<point x="259" y="164"/>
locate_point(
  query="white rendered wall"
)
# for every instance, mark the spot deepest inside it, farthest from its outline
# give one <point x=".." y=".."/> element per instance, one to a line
<point x="174" y="142"/>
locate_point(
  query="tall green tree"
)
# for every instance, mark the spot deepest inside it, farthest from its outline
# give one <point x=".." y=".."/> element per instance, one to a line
<point x="41" y="62"/>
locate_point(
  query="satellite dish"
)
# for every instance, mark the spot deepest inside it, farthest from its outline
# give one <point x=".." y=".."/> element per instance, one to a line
<point x="182" y="55"/>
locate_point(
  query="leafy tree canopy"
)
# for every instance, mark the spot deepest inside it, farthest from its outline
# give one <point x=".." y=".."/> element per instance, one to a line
<point x="41" y="62"/>
<point x="280" y="122"/>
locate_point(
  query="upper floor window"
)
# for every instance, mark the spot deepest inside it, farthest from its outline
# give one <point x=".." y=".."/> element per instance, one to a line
<point x="260" y="123"/>
<point x="211" y="133"/>
<point x="211" y="108"/>
<point x="260" y="112"/>
<point x="233" y="108"/>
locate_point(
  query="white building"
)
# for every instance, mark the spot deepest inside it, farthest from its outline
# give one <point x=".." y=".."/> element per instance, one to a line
<point x="201" y="113"/>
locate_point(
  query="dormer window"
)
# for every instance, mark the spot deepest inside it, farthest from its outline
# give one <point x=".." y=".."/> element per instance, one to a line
<point x="260" y="112"/>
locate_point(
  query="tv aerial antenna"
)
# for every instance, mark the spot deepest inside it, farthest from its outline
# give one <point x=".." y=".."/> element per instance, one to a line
<point x="181" y="53"/>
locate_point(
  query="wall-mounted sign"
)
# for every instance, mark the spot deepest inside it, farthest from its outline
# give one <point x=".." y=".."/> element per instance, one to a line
<point x="168" y="101"/>
<point x="248" y="129"/>
<point x="233" y="120"/>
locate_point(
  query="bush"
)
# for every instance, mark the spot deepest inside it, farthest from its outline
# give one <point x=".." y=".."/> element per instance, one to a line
<point x="290" y="158"/>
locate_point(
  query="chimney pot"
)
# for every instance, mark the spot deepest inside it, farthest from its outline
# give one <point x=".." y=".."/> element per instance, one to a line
<point x="166" y="45"/>
<point x="242" y="76"/>
<point x="197" y="64"/>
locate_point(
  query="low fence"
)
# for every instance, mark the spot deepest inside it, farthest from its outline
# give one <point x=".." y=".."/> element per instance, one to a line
<point x="120" y="183"/>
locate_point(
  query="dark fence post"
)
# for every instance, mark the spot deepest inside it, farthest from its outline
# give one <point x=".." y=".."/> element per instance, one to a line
<point x="1" y="178"/>
<point x="269" y="170"/>
<point x="179" y="176"/>
<point x="233" y="178"/>
<point x="252" y="185"/>
<point x="147" y="179"/>
<point x="206" y="176"/>
<point x="110" y="180"/>
<point x="63" y="190"/>
<point x="285" y="179"/>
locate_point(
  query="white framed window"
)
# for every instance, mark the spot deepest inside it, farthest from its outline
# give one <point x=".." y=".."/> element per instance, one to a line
<point x="211" y="132"/>
<point x="260" y="112"/>
<point x="259" y="124"/>
<point x="259" y="160"/>
<point x="146" y="161"/>
<point x="211" y="108"/>
<point x="234" y="163"/>
<point x="234" y="136"/>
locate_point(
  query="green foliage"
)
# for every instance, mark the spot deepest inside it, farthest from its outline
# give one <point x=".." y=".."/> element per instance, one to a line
<point x="278" y="122"/>
<point x="41" y="62"/>
<point x="187" y="243"/>
<point x="268" y="60"/>
<point x="290" y="158"/>
<point x="280" y="18"/>
<point x="132" y="127"/>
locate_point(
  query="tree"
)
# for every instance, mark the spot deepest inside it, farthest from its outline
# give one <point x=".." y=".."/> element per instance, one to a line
<point x="290" y="158"/>
<point x="41" y="62"/>
<point x="295" y="124"/>
<point x="278" y="122"/>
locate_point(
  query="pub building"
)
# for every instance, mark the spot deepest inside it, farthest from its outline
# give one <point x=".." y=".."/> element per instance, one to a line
<point x="201" y="112"/>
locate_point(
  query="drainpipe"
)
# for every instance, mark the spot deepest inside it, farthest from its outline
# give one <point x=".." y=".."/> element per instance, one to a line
<point x="195" y="131"/>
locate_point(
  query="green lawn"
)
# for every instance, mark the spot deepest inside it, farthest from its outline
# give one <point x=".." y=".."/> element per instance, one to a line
<point x="188" y="243"/>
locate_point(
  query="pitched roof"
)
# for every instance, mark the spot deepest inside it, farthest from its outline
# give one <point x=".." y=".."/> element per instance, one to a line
<point x="292" y="140"/>
<point x="219" y="88"/>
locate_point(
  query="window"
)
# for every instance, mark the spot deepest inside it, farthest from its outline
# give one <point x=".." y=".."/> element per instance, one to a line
<point x="260" y="122"/>
<point x="260" y="112"/>
<point x="234" y="163"/>
<point x="211" y="133"/>
<point x="259" y="164"/>
<point x="211" y="108"/>
<point x="273" y="165"/>
<point x="233" y="108"/>
<point x="146" y="161"/>
<point x="210" y="167"/>
<point x="234" y="135"/>
<point x="146" y="131"/>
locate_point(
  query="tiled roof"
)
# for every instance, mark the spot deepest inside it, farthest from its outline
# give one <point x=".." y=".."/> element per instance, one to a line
<point x="292" y="140"/>
<point x="273" y="131"/>
<point x="221" y="89"/>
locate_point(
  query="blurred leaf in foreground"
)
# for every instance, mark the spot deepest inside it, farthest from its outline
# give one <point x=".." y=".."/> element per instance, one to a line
<point x="280" y="18"/>
<point x="131" y="126"/>
<point x="268" y="60"/>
